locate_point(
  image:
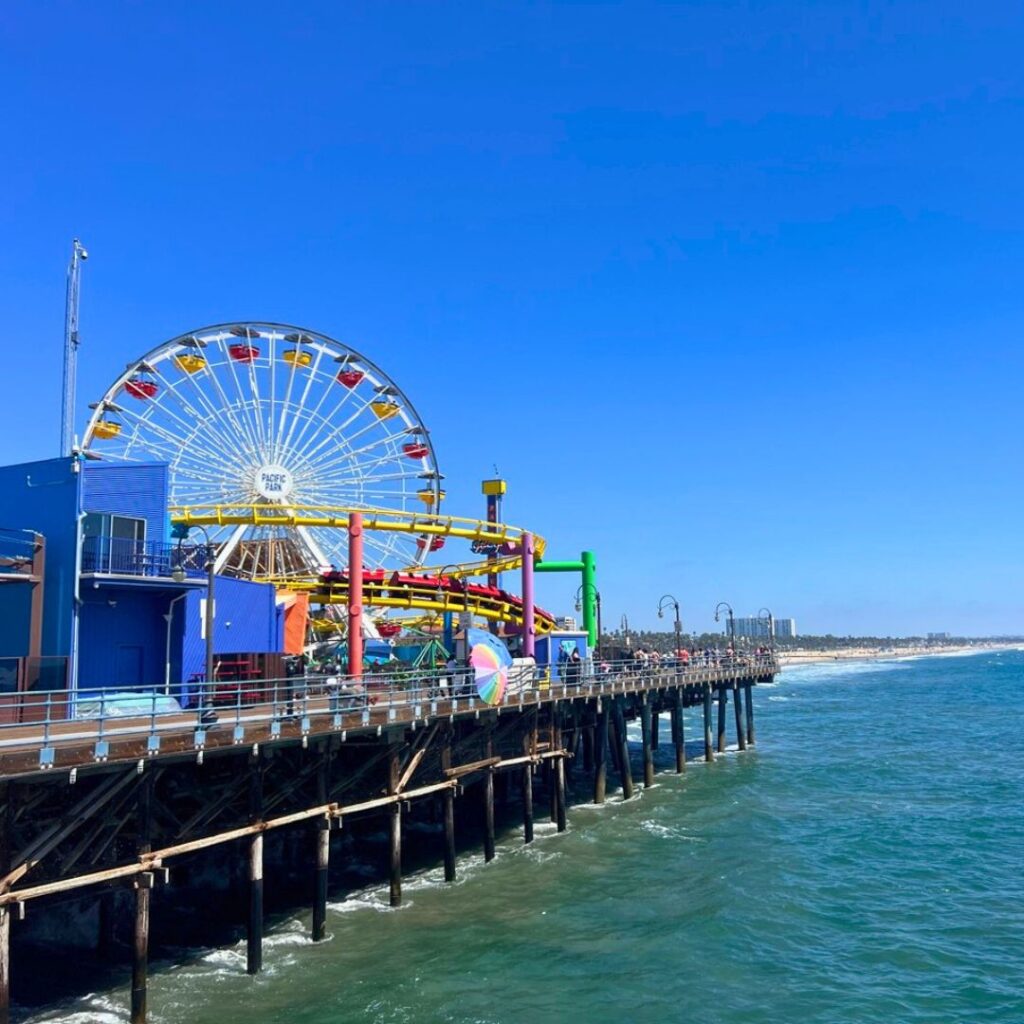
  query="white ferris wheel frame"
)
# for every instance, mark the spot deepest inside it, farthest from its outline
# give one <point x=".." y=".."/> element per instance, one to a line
<point x="220" y="426"/>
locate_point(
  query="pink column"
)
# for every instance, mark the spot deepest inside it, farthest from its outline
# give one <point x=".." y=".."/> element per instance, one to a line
<point x="355" y="594"/>
<point x="529" y="625"/>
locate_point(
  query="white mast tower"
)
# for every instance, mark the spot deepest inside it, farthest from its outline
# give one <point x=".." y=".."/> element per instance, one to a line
<point x="67" y="418"/>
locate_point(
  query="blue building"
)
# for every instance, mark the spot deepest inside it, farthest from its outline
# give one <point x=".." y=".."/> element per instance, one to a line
<point x="113" y="614"/>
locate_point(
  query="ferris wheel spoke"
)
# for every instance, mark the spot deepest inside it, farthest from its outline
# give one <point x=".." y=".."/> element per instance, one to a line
<point x="209" y="416"/>
<point x="227" y="406"/>
<point x="286" y="404"/>
<point x="252" y="422"/>
<point x="169" y="447"/>
<point x="347" y="395"/>
<point x="359" y="394"/>
<point x="340" y="432"/>
<point x="326" y="380"/>
<point x="356" y="456"/>
<point x="196" y="427"/>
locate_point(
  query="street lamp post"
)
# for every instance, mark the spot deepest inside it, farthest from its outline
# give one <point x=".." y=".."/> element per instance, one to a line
<point x="207" y="714"/>
<point x="741" y="736"/>
<point x="771" y="628"/>
<point x="732" y="623"/>
<point x="669" y="599"/>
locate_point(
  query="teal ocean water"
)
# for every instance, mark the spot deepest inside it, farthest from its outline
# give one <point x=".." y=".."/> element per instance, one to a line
<point x="864" y="864"/>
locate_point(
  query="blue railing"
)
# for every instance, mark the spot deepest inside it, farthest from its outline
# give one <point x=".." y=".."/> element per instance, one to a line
<point x="120" y="556"/>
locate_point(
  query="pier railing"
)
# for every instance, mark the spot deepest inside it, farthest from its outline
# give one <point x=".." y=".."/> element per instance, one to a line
<point x="271" y="709"/>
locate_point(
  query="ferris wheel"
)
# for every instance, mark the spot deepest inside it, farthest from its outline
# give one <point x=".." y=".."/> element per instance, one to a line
<point x="278" y="416"/>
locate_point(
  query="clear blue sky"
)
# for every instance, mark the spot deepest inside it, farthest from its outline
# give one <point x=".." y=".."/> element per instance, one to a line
<point x="732" y="293"/>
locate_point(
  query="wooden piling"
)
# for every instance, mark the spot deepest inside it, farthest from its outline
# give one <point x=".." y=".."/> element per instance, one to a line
<point x="601" y="754"/>
<point x="529" y="741"/>
<point x="588" y="749"/>
<point x="143" y="887"/>
<point x="395" y="831"/>
<point x="645" y="738"/>
<point x="448" y="798"/>
<point x="709" y="754"/>
<point x="489" y="799"/>
<point x="722" y="698"/>
<point x="9" y="794"/>
<point x="678" y="735"/>
<point x="254" y="929"/>
<point x="737" y="703"/>
<point x="558" y="767"/>
<point x="5" y="965"/>
<point x="323" y="855"/>
<point x="750" y="714"/>
<point x="622" y="746"/>
<point x="655" y="725"/>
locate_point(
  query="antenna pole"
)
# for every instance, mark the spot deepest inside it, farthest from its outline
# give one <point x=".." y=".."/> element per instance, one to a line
<point x="67" y="417"/>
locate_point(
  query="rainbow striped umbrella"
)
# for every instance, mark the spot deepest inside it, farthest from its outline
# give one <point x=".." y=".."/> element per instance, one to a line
<point x="490" y="661"/>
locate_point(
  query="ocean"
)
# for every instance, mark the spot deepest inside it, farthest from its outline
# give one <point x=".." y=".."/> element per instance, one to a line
<point x="864" y="863"/>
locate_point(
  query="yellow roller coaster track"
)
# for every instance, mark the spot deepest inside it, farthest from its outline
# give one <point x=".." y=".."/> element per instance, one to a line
<point x="422" y="594"/>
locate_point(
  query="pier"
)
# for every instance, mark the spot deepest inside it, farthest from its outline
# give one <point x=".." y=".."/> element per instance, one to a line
<point x="114" y="802"/>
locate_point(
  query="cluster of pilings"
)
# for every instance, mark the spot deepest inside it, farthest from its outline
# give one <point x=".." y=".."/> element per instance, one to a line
<point x="129" y="821"/>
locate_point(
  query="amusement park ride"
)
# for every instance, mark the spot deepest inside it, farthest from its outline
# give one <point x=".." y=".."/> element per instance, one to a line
<point x="274" y="436"/>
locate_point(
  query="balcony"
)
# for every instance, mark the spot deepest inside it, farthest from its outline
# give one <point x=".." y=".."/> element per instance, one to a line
<point x="120" y="556"/>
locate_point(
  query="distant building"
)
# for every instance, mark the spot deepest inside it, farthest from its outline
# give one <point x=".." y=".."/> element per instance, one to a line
<point x="566" y="622"/>
<point x="757" y="628"/>
<point x="938" y="636"/>
<point x="751" y="626"/>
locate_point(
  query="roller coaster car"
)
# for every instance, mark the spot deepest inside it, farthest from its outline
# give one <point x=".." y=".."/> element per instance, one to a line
<point x="481" y="590"/>
<point x="341" y="576"/>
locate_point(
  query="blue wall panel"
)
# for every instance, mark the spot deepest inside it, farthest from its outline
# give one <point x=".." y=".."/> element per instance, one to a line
<point x="43" y="496"/>
<point x="138" y="490"/>
<point x="123" y="637"/>
<point x="247" y="621"/>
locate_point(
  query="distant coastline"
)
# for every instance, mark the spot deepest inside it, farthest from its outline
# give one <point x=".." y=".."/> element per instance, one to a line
<point x="791" y="659"/>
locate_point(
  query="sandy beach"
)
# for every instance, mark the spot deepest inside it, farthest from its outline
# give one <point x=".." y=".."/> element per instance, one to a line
<point x="808" y="657"/>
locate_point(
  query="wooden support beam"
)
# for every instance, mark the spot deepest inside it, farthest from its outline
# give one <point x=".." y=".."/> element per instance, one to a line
<point x="448" y="798"/>
<point x="750" y="714"/>
<point x="53" y="836"/>
<point x="678" y="735"/>
<point x="254" y="929"/>
<point x="143" y="887"/>
<point x="5" y="965"/>
<point x="645" y="740"/>
<point x="395" y="831"/>
<point x="489" y="797"/>
<point x="709" y="754"/>
<point x="737" y="703"/>
<point x="529" y="741"/>
<point x="622" y="746"/>
<point x="417" y="757"/>
<point x="558" y="766"/>
<point x="156" y="857"/>
<point x="601" y="754"/>
<point x="588" y="749"/>
<point x="655" y="725"/>
<point x="322" y="851"/>
<point x="723" y="696"/>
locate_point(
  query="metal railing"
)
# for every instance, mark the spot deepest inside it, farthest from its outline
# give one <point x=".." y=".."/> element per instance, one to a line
<point x="121" y="556"/>
<point x="249" y="709"/>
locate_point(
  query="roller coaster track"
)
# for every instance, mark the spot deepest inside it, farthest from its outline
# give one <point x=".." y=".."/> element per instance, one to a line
<point x="427" y="590"/>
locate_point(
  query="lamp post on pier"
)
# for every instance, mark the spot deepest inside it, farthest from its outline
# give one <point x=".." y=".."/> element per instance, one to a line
<point x="666" y="600"/>
<point x="771" y="628"/>
<point x="206" y="713"/>
<point x="732" y="623"/>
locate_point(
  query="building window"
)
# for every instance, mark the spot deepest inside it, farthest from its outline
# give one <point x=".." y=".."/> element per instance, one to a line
<point x="124" y="528"/>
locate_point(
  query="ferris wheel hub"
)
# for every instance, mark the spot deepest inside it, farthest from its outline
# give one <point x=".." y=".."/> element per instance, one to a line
<point x="273" y="482"/>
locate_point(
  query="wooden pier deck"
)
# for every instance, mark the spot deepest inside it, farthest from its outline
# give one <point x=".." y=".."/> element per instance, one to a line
<point x="87" y="805"/>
